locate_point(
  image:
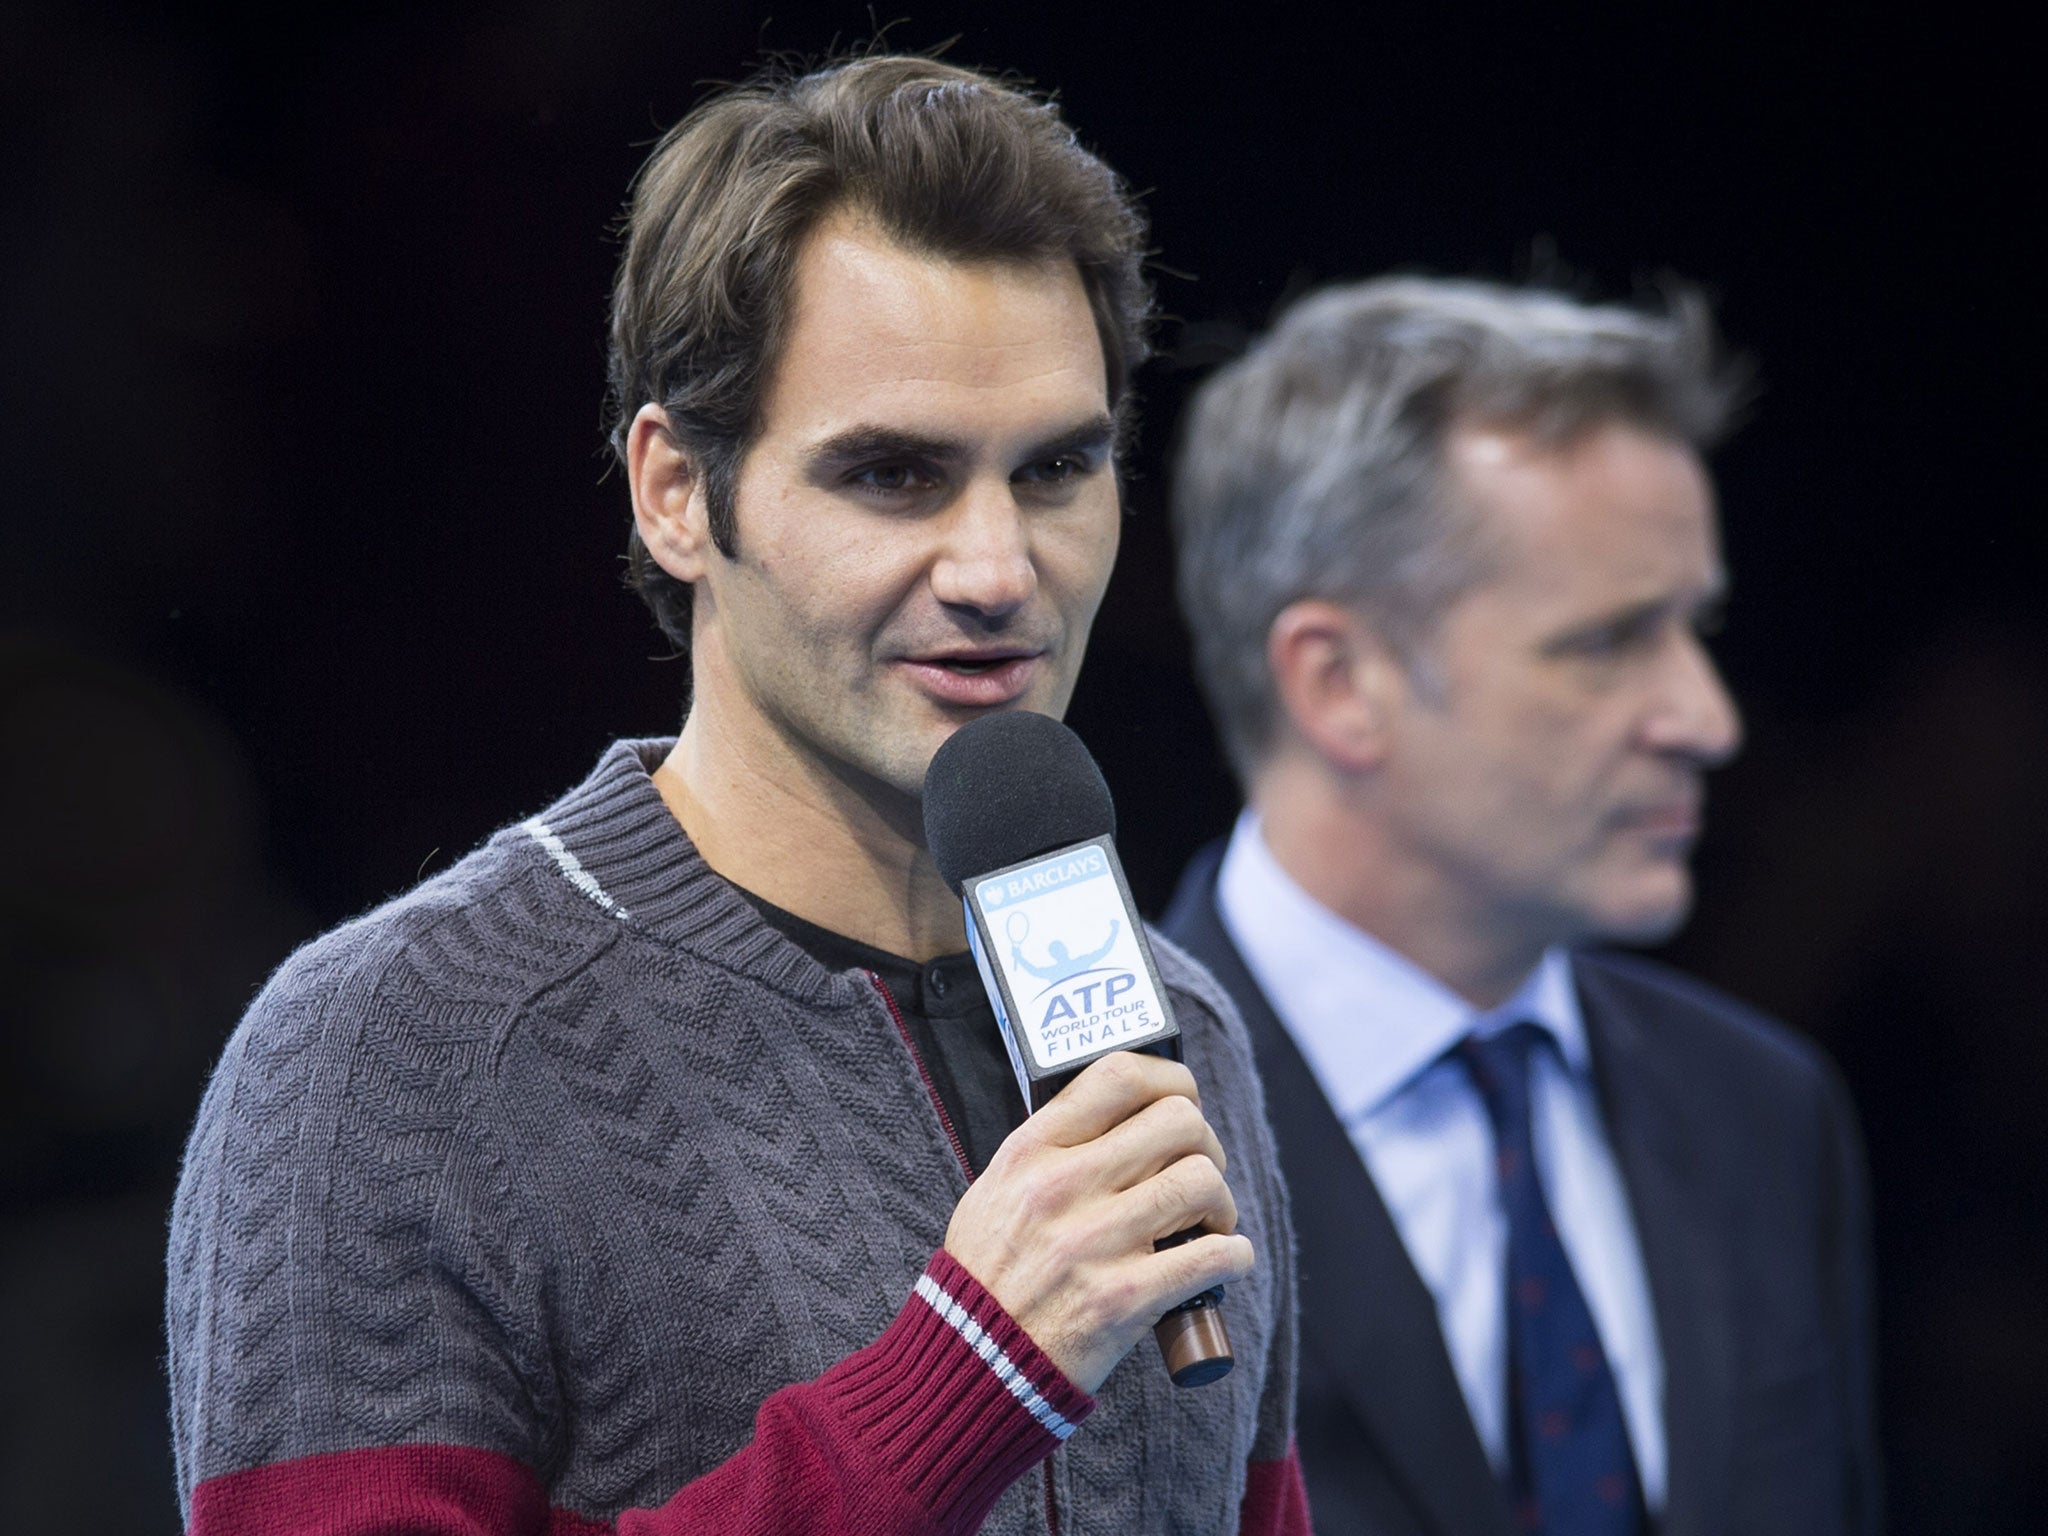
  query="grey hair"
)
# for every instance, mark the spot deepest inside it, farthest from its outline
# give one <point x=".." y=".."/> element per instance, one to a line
<point x="1313" y="466"/>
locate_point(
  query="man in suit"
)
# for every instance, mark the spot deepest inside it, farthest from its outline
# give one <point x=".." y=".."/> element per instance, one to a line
<point x="1583" y="1242"/>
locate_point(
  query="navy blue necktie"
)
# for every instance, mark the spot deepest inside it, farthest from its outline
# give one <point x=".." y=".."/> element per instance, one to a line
<point x="1572" y="1473"/>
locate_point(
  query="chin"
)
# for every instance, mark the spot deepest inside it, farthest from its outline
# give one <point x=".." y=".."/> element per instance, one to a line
<point x="1646" y="910"/>
<point x="1646" y="922"/>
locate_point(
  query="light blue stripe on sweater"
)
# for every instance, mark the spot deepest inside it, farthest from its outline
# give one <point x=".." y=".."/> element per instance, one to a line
<point x="957" y="1318"/>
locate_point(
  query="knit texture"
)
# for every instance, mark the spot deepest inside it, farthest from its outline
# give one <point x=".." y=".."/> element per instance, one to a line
<point x="567" y="1159"/>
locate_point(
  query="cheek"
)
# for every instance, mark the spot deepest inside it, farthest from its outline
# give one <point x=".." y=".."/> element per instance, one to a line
<point x="1566" y="742"/>
<point x="835" y="595"/>
<point x="1524" y="773"/>
<point x="1516" y="738"/>
<point x="1075" y="557"/>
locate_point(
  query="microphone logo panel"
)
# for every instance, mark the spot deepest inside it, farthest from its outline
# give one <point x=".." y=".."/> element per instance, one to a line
<point x="1072" y="957"/>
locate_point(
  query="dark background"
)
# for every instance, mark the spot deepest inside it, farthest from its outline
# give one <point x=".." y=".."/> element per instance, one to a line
<point x="310" y="573"/>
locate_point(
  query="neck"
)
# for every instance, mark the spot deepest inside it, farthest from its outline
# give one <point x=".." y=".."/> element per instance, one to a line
<point x="1335" y="849"/>
<point x="850" y="858"/>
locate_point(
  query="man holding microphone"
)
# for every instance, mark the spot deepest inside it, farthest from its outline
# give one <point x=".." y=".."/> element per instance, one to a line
<point x="657" y="1168"/>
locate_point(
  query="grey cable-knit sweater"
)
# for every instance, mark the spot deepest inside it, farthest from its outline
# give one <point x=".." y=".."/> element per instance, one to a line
<point x="519" y="1197"/>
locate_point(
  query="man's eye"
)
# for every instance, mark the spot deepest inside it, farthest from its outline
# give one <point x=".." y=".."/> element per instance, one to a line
<point x="1058" y="469"/>
<point x="1615" y="639"/>
<point x="892" y="479"/>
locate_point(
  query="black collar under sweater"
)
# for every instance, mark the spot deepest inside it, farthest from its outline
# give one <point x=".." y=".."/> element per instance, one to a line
<point x="947" y="1012"/>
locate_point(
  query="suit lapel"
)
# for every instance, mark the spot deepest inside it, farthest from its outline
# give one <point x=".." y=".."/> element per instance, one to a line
<point x="1646" y="1105"/>
<point x="1366" y="1315"/>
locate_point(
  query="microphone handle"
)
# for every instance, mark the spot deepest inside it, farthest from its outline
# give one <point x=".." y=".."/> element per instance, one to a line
<point x="1192" y="1338"/>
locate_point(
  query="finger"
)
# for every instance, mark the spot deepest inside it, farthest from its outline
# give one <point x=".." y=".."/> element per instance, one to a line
<point x="1107" y="1092"/>
<point x="1190" y="1194"/>
<point x="1160" y="1134"/>
<point x="1172" y="1275"/>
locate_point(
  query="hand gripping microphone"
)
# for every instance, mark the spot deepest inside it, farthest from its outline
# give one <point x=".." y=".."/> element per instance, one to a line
<point x="1020" y="823"/>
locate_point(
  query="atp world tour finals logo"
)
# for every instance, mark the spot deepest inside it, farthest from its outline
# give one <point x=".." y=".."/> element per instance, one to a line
<point x="1076" y="976"/>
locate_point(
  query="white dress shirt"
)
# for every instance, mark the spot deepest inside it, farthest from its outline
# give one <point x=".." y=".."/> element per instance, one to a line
<point x="1374" y="1029"/>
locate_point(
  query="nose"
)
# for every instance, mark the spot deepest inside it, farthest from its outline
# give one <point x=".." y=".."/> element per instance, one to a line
<point x="1694" y="717"/>
<point x="984" y="560"/>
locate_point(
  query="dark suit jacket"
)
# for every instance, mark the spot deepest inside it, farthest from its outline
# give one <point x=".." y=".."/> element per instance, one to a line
<point x="1745" y="1176"/>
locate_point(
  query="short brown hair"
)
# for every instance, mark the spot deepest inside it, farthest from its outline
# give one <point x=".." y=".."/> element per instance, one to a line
<point x="948" y="161"/>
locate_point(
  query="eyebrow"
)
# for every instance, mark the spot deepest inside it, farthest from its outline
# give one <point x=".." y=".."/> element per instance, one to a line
<point x="859" y="445"/>
<point x="865" y="444"/>
<point x="1090" y="436"/>
<point x="1705" y="609"/>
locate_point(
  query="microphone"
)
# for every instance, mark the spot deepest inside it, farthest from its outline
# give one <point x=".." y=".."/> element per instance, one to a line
<point x="1020" y="822"/>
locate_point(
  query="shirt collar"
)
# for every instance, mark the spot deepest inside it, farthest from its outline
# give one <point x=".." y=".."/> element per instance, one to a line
<point x="1367" y="1019"/>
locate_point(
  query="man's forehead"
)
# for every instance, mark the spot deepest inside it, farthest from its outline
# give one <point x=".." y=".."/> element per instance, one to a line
<point x="878" y="332"/>
<point x="917" y="298"/>
<point x="1610" y="478"/>
<point x="1615" y="513"/>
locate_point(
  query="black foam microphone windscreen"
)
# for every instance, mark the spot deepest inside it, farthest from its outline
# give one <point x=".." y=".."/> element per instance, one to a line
<point x="1007" y="787"/>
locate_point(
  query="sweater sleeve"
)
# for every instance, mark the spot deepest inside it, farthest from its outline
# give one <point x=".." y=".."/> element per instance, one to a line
<point x="358" y="1322"/>
<point x="918" y="1432"/>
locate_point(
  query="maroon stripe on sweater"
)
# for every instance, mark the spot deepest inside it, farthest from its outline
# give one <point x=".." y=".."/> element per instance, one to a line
<point x="1036" y="1366"/>
<point x="420" y="1490"/>
<point x="1275" y="1501"/>
<point x="915" y="1430"/>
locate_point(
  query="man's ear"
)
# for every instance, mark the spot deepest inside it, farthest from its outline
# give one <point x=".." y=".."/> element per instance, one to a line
<point x="1338" y="681"/>
<point x="669" y="507"/>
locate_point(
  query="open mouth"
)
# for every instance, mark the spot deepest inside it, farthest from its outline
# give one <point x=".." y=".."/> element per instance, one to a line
<point x="981" y="681"/>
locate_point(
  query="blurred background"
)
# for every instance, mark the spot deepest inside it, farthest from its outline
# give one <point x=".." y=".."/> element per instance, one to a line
<point x="310" y="572"/>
